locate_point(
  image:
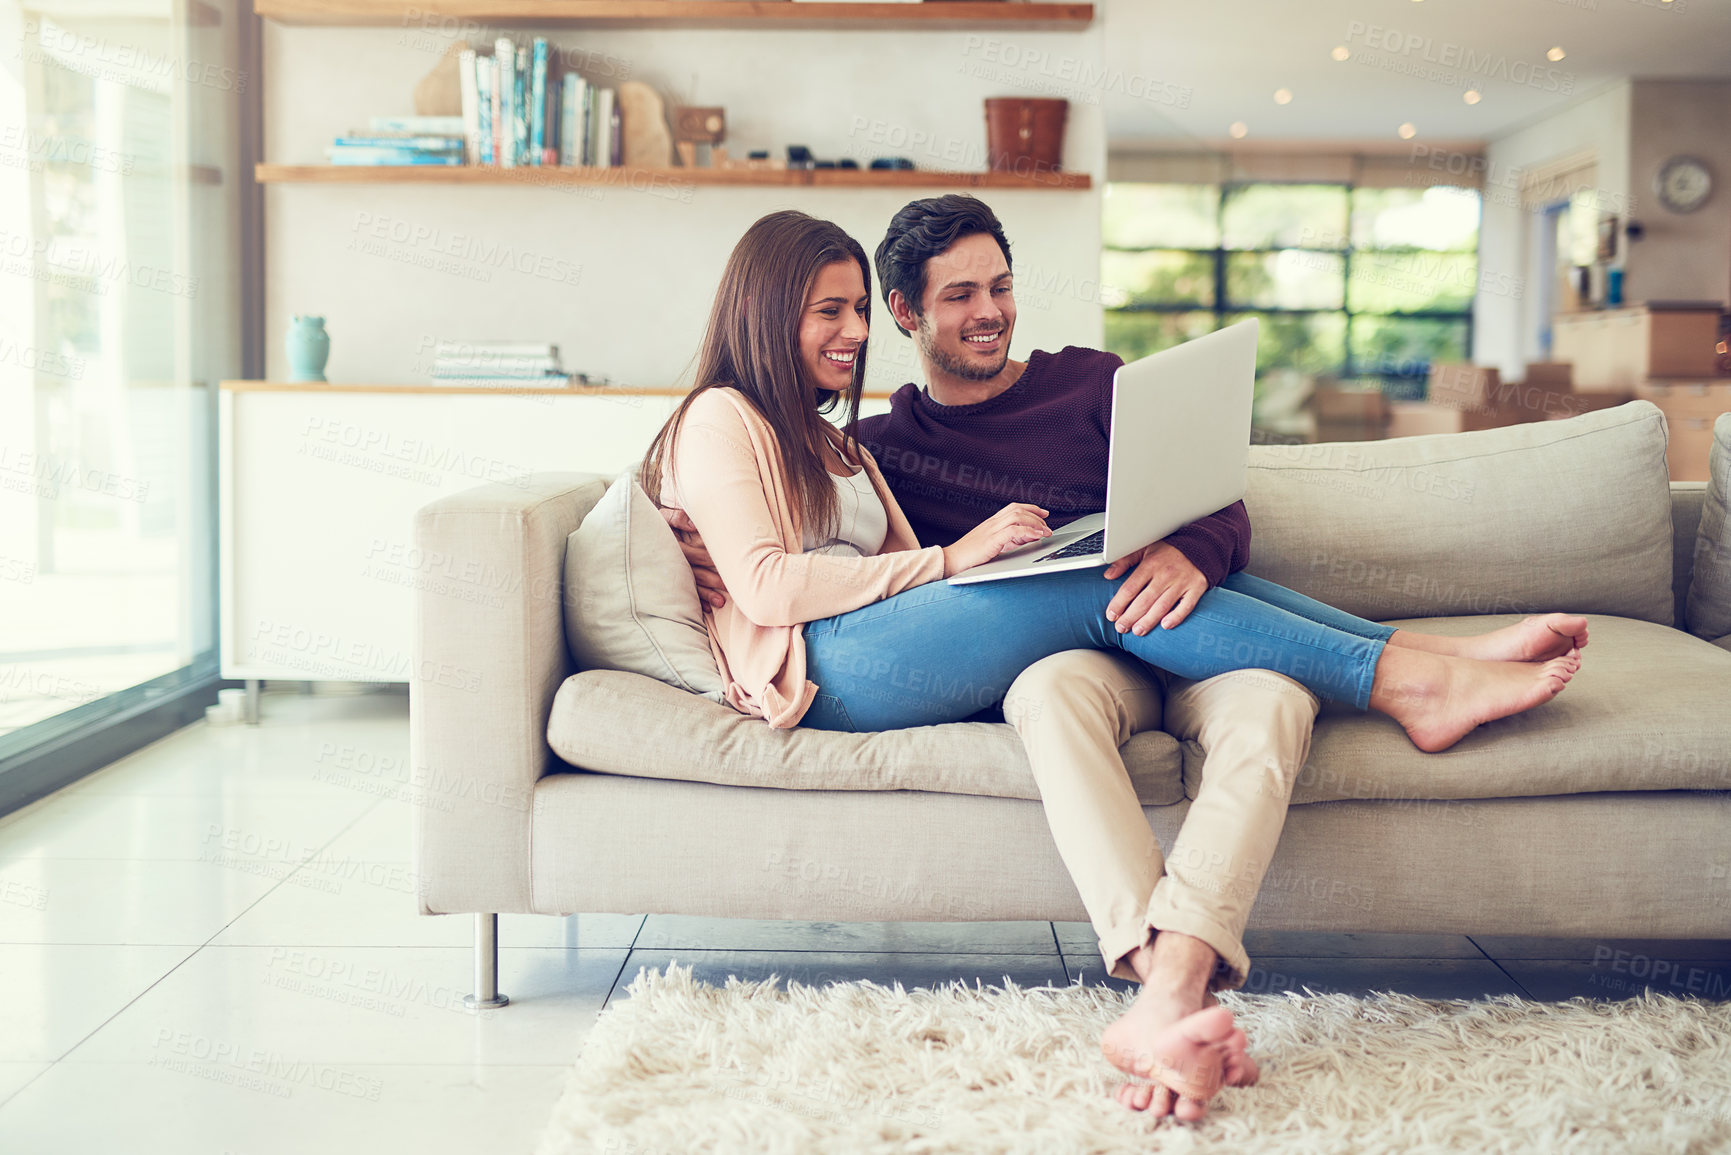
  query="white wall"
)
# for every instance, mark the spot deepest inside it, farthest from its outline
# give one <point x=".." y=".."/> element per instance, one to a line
<point x="1506" y="326"/>
<point x="622" y="278"/>
<point x="1682" y="256"/>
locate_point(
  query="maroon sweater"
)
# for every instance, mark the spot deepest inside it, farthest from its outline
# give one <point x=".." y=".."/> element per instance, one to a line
<point x="1044" y="441"/>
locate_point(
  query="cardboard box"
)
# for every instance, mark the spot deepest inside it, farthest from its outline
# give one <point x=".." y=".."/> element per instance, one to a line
<point x="1520" y="402"/>
<point x="1349" y="430"/>
<point x="1684" y="344"/>
<point x="1617" y="349"/>
<point x="1421" y="419"/>
<point x="1688" y="398"/>
<point x="1461" y="386"/>
<point x="1512" y="403"/>
<point x="1574" y="404"/>
<point x="1349" y="414"/>
<point x="1335" y="404"/>
<point x="1690" y="408"/>
<point x="1690" y="440"/>
<point x="1550" y="374"/>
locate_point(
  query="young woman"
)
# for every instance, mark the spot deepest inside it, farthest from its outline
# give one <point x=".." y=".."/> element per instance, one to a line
<point x="839" y="619"/>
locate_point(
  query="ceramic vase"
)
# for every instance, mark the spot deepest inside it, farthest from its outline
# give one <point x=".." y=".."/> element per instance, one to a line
<point x="308" y="348"/>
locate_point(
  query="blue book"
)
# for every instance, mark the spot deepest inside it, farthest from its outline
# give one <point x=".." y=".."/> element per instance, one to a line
<point x="520" y="106"/>
<point x="377" y="157"/>
<point x="422" y="143"/>
<point x="420" y="125"/>
<point x="506" y="57"/>
<point x="486" y="70"/>
<point x="538" y="100"/>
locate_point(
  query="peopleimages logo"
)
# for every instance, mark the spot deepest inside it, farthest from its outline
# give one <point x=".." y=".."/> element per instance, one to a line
<point x="1447" y="62"/>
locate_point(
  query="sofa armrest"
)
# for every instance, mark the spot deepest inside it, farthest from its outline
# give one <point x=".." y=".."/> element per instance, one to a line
<point x="489" y="654"/>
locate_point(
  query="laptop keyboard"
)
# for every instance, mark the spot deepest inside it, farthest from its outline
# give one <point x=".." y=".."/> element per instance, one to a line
<point x="1081" y="547"/>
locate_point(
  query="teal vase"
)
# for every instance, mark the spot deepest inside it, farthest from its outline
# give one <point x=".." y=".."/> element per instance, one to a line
<point x="308" y="348"/>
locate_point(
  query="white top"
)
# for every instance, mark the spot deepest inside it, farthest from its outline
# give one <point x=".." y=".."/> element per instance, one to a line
<point x="862" y="523"/>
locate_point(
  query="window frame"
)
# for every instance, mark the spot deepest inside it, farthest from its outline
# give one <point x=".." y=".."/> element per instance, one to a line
<point x="1223" y="306"/>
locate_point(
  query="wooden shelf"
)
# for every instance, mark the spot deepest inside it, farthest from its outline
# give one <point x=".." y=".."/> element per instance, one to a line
<point x="468" y="390"/>
<point x="936" y="15"/>
<point x="448" y="390"/>
<point x="664" y="180"/>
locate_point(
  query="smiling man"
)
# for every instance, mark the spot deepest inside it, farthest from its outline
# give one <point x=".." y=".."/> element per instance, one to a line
<point x="987" y="430"/>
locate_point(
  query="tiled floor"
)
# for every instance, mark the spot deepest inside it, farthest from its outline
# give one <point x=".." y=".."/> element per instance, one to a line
<point x="211" y="947"/>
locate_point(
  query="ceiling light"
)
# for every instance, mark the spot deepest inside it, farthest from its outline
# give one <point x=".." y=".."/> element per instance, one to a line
<point x="1471" y="96"/>
<point x="1283" y="96"/>
<point x="1341" y="52"/>
<point x="1239" y="130"/>
<point x="1407" y="131"/>
<point x="1555" y="54"/>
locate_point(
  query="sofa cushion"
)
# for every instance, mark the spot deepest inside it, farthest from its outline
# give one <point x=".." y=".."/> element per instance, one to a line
<point x="630" y="600"/>
<point x="1646" y="712"/>
<point x="619" y="723"/>
<point x="1709" y="613"/>
<point x="1553" y="515"/>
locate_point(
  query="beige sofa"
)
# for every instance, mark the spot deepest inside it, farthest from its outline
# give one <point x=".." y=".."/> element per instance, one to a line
<point x="545" y="789"/>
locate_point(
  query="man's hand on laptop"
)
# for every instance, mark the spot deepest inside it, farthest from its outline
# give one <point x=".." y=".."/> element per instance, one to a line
<point x="709" y="586"/>
<point x="1161" y="590"/>
<point x="1014" y="525"/>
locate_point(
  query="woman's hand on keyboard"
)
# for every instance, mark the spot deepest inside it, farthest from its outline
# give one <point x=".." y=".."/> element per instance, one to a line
<point x="1014" y="525"/>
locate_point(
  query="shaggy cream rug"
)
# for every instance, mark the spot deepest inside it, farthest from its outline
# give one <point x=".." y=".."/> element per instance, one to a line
<point x="861" y="1069"/>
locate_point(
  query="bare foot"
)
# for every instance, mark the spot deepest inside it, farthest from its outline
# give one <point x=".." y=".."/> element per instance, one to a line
<point x="1241" y="1069"/>
<point x="1537" y="639"/>
<point x="1440" y="700"/>
<point x="1186" y="1052"/>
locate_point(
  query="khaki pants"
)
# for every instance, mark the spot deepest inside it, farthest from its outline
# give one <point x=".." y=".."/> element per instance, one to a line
<point x="1073" y="710"/>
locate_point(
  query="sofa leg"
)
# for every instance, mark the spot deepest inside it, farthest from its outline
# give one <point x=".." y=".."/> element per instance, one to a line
<point x="486" y="965"/>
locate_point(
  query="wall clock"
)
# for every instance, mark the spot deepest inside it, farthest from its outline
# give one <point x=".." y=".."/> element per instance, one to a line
<point x="1684" y="183"/>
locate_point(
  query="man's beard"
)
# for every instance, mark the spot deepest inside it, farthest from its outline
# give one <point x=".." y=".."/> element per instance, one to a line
<point x="953" y="365"/>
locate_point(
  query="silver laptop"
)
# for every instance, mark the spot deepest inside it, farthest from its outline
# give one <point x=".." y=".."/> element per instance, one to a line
<point x="1180" y="450"/>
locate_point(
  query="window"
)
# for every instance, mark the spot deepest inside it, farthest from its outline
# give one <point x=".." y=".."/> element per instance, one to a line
<point x="1371" y="283"/>
<point x="119" y="195"/>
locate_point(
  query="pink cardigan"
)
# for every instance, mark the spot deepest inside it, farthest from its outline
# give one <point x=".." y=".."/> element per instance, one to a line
<point x="738" y="497"/>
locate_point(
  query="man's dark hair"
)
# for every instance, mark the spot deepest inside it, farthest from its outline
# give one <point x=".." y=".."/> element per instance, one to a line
<point x="922" y="230"/>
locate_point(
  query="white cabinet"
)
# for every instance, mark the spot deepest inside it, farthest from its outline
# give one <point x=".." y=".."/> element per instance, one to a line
<point x="319" y="487"/>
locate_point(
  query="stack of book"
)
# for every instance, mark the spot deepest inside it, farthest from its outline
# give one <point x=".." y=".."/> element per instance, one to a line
<point x="502" y="364"/>
<point x="402" y="140"/>
<point x="522" y="108"/>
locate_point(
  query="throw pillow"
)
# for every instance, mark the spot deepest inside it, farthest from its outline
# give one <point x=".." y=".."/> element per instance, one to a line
<point x="1572" y="514"/>
<point x="630" y="600"/>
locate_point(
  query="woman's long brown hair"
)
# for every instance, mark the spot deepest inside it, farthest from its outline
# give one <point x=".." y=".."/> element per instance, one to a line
<point x="752" y="345"/>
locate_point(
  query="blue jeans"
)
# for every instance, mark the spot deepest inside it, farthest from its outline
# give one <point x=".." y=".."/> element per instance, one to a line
<point x="938" y="652"/>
